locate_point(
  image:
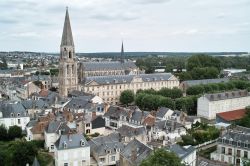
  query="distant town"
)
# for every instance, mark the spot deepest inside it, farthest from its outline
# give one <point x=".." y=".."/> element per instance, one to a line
<point x="124" y="109"/>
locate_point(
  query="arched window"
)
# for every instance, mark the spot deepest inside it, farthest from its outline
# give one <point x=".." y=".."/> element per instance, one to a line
<point x="67" y="69"/>
<point x="70" y="55"/>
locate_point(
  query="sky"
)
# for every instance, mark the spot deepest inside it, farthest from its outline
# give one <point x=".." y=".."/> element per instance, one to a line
<point x="143" y="25"/>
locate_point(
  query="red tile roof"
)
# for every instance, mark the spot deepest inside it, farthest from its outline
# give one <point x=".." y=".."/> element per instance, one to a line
<point x="232" y="115"/>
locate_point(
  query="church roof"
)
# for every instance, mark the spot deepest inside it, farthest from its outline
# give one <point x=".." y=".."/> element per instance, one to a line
<point x="67" y="37"/>
<point x="103" y="66"/>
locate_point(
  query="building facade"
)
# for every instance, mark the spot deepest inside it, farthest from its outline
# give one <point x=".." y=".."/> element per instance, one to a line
<point x="110" y="87"/>
<point x="68" y="78"/>
<point x="211" y="104"/>
<point x="233" y="147"/>
<point x="72" y="150"/>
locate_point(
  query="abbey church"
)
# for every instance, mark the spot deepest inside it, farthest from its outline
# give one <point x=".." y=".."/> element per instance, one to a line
<point x="104" y="79"/>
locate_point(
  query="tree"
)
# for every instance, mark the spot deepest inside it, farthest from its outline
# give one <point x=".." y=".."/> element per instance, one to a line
<point x="162" y="157"/>
<point x="127" y="97"/>
<point x="15" y="132"/>
<point x="3" y="133"/>
<point x="139" y="100"/>
<point x="22" y="153"/>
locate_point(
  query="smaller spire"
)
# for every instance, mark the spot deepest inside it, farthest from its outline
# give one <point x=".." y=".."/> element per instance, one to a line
<point x="122" y="53"/>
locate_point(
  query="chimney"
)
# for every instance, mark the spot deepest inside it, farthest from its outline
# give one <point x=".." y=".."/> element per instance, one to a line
<point x="93" y="115"/>
<point x="133" y="154"/>
<point x="70" y="136"/>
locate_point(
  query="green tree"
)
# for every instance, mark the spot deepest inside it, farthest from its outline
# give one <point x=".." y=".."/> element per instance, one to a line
<point x="14" y="132"/>
<point x="127" y="97"/>
<point x="162" y="157"/>
<point x="22" y="152"/>
<point x="139" y="100"/>
<point x="3" y="133"/>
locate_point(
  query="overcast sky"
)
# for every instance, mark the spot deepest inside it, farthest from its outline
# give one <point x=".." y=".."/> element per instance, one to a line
<point x="144" y="25"/>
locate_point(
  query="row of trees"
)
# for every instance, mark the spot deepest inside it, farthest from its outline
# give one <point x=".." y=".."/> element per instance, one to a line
<point x="149" y="100"/>
<point x="245" y="121"/>
<point x="12" y="133"/>
<point x="218" y="87"/>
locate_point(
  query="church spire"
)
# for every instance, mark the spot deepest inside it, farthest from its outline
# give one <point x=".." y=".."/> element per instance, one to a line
<point x="67" y="37"/>
<point x="122" y="53"/>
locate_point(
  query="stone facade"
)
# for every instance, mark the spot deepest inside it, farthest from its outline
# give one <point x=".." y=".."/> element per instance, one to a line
<point x="109" y="88"/>
<point x="68" y="78"/>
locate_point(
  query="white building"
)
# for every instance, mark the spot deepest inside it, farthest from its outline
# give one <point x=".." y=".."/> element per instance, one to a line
<point x="211" y="104"/>
<point x="233" y="147"/>
<point x="13" y="114"/>
<point x="72" y="149"/>
<point x="53" y="132"/>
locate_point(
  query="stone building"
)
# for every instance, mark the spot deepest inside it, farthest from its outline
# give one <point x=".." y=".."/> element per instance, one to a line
<point x="109" y="88"/>
<point x="233" y="147"/>
<point x="68" y="78"/>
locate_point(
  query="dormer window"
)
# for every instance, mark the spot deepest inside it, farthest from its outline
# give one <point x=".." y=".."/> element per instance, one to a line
<point x="239" y="143"/>
<point x="82" y="142"/>
<point x="64" y="145"/>
<point x="18" y="114"/>
<point x="12" y="115"/>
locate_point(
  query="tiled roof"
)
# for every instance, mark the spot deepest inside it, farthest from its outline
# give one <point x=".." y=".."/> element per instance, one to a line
<point x="16" y="109"/>
<point x="129" y="131"/>
<point x="232" y="115"/>
<point x="161" y="112"/>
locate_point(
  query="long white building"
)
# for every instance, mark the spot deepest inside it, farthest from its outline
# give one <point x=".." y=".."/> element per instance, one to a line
<point x="211" y="104"/>
<point x="109" y="88"/>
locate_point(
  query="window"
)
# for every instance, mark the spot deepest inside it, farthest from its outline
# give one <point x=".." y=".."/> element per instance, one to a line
<point x="70" y="54"/>
<point x="65" y="145"/>
<point x="82" y="143"/>
<point x="229" y="151"/>
<point x="65" y="164"/>
<point x="88" y="125"/>
<point x="19" y="121"/>
<point x="52" y="147"/>
<point x="238" y="153"/>
<point x="88" y="131"/>
<point x="223" y="150"/>
<point x="18" y="114"/>
<point x="12" y="115"/>
<point x="245" y="154"/>
<point x="238" y="143"/>
<point x="102" y="159"/>
<point x="113" y="158"/>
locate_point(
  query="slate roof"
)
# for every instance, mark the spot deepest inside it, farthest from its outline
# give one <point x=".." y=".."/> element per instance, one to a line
<point x="226" y="95"/>
<point x="106" y="144"/>
<point x="98" y="122"/>
<point x="204" y="81"/>
<point x="35" y="162"/>
<point x="116" y="111"/>
<point x="38" y="104"/>
<point x="232" y="115"/>
<point x="180" y="151"/>
<point x="142" y="151"/>
<point x="103" y="66"/>
<point x="161" y="112"/>
<point x="129" y="131"/>
<point x="17" y="108"/>
<point x="72" y="141"/>
<point x="79" y="103"/>
<point x="55" y="126"/>
<point x="138" y="115"/>
<point x="121" y="79"/>
<point x="236" y="137"/>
